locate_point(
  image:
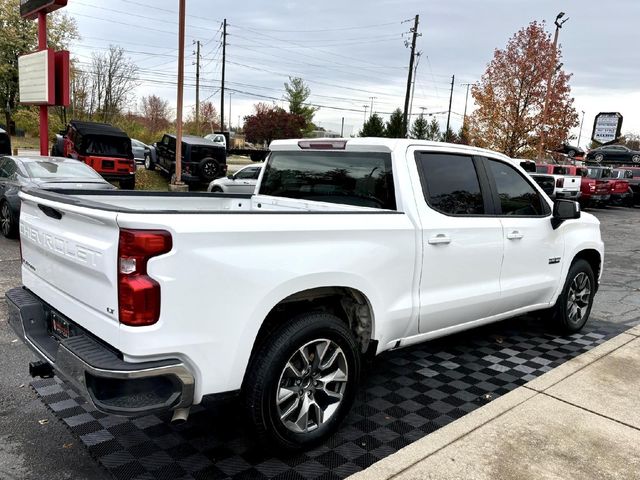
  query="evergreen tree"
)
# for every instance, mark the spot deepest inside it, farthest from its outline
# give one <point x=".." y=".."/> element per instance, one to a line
<point x="420" y="128"/>
<point x="433" y="130"/>
<point x="450" y="136"/>
<point x="374" y="127"/>
<point x="297" y="94"/>
<point x="395" y="125"/>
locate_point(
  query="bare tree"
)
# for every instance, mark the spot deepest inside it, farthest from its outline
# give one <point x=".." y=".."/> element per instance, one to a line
<point x="112" y="78"/>
<point x="155" y="111"/>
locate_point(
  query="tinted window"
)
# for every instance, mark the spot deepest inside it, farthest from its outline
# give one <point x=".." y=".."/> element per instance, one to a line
<point x="352" y="178"/>
<point x="250" y="173"/>
<point x="582" y="172"/>
<point x="106" y="146"/>
<point x="560" y="171"/>
<point x="67" y="169"/>
<point x="541" y="169"/>
<point x="517" y="196"/>
<point x="450" y="183"/>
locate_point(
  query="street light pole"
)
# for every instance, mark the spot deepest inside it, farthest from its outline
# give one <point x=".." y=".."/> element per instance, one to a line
<point x="366" y="107"/>
<point x="181" y="27"/>
<point x="581" y="124"/>
<point x="552" y="68"/>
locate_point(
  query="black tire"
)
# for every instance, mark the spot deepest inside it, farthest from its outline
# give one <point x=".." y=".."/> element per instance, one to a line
<point x="149" y="164"/>
<point x="128" y="184"/>
<point x="561" y="314"/>
<point x="8" y="223"/>
<point x="571" y="153"/>
<point x="216" y="189"/>
<point x="209" y="169"/>
<point x="54" y="151"/>
<point x="267" y="377"/>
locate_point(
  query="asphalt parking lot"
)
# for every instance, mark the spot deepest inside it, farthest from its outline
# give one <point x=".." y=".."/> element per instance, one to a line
<point x="35" y="443"/>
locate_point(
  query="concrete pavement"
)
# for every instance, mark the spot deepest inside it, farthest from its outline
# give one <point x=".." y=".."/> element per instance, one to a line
<point x="579" y="421"/>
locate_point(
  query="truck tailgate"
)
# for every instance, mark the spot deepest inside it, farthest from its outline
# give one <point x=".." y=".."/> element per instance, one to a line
<point x="572" y="184"/>
<point x="69" y="261"/>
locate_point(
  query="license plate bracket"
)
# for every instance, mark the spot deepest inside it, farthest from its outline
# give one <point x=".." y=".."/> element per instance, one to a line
<point x="60" y="327"/>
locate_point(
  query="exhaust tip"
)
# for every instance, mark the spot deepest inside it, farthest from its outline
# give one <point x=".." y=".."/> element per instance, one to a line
<point x="180" y="416"/>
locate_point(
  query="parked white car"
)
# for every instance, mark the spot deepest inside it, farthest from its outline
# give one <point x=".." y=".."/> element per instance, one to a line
<point x="150" y="301"/>
<point x="243" y="181"/>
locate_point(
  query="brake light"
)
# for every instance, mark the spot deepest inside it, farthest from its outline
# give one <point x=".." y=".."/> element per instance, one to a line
<point x="592" y="187"/>
<point x="322" y="144"/>
<point x="560" y="182"/>
<point x="139" y="294"/>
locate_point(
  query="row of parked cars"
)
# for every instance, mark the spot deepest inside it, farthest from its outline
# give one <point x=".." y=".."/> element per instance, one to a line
<point x="591" y="185"/>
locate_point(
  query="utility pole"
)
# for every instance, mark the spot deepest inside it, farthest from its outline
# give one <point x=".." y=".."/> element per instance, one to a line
<point x="366" y="107"/>
<point x="581" y="124"/>
<point x="198" y="87"/>
<point x="446" y="132"/>
<point x="413" y="91"/>
<point x="552" y="69"/>
<point x="372" y="99"/>
<point x="230" y="93"/>
<point x="466" y="101"/>
<point x="177" y="183"/>
<point x="342" y="129"/>
<point x="224" y="56"/>
<point x="414" y="30"/>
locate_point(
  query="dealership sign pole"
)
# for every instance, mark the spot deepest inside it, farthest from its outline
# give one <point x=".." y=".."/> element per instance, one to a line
<point x="38" y="70"/>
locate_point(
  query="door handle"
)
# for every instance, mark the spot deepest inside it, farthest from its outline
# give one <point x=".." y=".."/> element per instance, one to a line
<point x="440" y="239"/>
<point x="515" y="235"/>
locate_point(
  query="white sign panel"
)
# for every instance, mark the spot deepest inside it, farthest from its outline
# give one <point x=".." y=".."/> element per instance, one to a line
<point x="607" y="127"/>
<point x="36" y="79"/>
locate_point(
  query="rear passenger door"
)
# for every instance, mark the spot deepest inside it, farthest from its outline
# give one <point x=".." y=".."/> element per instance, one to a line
<point x="462" y="242"/>
<point x="533" y="250"/>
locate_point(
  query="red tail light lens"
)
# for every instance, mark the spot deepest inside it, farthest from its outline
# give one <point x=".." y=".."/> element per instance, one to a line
<point x="139" y="294"/>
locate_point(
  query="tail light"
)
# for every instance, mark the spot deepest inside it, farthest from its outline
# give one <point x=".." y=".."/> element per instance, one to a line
<point x="322" y="144"/>
<point x="139" y="294"/>
<point x="592" y="187"/>
<point x="560" y="182"/>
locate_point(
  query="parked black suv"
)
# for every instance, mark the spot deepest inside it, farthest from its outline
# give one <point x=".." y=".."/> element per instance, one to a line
<point x="202" y="160"/>
<point x="5" y="143"/>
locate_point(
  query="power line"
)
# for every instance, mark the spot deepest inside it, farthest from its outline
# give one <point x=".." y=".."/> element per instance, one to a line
<point x="359" y="27"/>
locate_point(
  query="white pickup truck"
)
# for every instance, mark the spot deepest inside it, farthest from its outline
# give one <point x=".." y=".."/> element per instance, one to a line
<point x="150" y="301"/>
<point x="567" y="185"/>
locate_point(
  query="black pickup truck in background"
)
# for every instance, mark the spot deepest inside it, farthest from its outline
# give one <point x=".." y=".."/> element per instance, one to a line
<point x="202" y="159"/>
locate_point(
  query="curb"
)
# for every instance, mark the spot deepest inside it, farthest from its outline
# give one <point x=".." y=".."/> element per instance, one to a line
<point x="414" y="453"/>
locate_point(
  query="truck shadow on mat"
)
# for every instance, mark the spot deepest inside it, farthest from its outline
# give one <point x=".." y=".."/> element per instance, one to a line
<point x="406" y="395"/>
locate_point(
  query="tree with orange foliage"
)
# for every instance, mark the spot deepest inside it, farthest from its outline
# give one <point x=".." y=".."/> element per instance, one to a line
<point x="510" y="97"/>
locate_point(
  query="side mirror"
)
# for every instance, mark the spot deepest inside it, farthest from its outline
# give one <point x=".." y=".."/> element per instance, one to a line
<point x="564" y="210"/>
<point x="231" y="177"/>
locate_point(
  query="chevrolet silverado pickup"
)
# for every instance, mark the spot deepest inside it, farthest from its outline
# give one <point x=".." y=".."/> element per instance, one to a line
<point x="567" y="185"/>
<point x="149" y="302"/>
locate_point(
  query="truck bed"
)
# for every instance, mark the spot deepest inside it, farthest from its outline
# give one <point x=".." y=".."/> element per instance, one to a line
<point x="189" y="202"/>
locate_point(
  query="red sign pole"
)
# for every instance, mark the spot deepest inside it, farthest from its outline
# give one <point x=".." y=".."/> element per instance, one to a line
<point x="44" y="111"/>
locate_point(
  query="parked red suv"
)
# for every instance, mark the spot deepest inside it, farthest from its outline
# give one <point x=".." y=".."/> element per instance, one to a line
<point x="103" y="147"/>
<point x="592" y="191"/>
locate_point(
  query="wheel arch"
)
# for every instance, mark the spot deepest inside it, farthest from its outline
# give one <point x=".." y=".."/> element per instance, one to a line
<point x="593" y="258"/>
<point x="349" y="304"/>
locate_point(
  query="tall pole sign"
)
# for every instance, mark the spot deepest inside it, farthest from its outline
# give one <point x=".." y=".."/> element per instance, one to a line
<point x="38" y="72"/>
<point x="607" y="127"/>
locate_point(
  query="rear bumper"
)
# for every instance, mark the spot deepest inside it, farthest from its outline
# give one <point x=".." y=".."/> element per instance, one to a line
<point x="118" y="176"/>
<point x="570" y="195"/>
<point x="96" y="370"/>
<point x="622" y="198"/>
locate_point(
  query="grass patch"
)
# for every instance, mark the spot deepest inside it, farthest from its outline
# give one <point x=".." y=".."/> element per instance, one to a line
<point x="31" y="143"/>
<point x="152" y="181"/>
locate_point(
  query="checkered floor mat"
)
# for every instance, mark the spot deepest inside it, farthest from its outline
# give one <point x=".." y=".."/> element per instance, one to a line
<point x="407" y="395"/>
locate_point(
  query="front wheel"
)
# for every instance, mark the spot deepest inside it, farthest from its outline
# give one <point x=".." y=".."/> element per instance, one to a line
<point x="573" y="307"/>
<point x="148" y="163"/>
<point x="8" y="224"/>
<point x="302" y="381"/>
<point x="635" y="159"/>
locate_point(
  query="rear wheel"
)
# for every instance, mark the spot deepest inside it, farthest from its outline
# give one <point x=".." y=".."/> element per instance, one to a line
<point x="573" y="306"/>
<point x="216" y="189"/>
<point x="148" y="163"/>
<point x="128" y="184"/>
<point x="302" y="381"/>
<point x="635" y="159"/>
<point x="8" y="224"/>
<point x="599" y="157"/>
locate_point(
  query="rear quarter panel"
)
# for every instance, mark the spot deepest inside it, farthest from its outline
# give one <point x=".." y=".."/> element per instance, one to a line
<point x="226" y="272"/>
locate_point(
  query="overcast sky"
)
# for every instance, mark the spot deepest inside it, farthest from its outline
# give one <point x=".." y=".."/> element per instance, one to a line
<point x="349" y="51"/>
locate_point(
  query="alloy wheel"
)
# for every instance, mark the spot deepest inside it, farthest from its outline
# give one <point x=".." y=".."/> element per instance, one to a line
<point x="210" y="169"/>
<point x="5" y="219"/>
<point x="147" y="162"/>
<point x="599" y="157"/>
<point x="635" y="159"/>
<point x="312" y="386"/>
<point x="578" y="298"/>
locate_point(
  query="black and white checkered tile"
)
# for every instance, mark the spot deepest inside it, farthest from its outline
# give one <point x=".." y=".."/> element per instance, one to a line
<point x="407" y="394"/>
